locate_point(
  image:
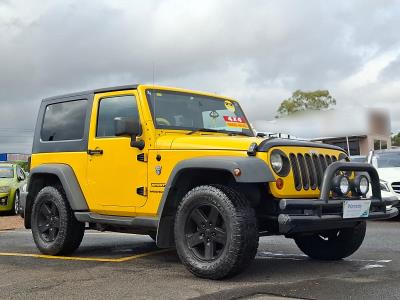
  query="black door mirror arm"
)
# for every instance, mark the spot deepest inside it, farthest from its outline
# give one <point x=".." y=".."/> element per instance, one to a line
<point x="137" y="144"/>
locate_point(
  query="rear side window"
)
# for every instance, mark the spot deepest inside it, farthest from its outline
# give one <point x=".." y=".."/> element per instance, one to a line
<point x="111" y="108"/>
<point x="64" y="121"/>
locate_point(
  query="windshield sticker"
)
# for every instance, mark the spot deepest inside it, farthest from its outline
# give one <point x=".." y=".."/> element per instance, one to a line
<point x="236" y="122"/>
<point x="213" y="114"/>
<point x="229" y="106"/>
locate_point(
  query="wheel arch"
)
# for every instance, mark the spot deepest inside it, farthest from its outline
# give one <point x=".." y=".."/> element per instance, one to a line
<point x="208" y="170"/>
<point x="54" y="174"/>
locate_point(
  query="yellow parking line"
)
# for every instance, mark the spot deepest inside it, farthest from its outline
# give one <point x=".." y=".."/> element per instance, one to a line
<point x="117" y="260"/>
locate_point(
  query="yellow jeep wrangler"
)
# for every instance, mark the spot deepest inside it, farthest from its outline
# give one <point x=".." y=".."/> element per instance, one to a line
<point x="186" y="168"/>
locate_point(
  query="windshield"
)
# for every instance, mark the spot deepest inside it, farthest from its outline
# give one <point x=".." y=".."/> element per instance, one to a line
<point x="388" y="160"/>
<point x="176" y="110"/>
<point x="6" y="172"/>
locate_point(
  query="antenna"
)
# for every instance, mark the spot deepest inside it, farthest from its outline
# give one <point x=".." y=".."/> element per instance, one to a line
<point x="153" y="72"/>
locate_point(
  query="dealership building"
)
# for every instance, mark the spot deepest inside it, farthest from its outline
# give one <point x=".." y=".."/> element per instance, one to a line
<point x="376" y="135"/>
<point x="357" y="132"/>
<point x="13" y="157"/>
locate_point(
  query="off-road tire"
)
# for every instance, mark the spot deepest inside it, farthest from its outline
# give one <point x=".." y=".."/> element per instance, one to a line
<point x="70" y="233"/>
<point x="241" y="231"/>
<point x="343" y="243"/>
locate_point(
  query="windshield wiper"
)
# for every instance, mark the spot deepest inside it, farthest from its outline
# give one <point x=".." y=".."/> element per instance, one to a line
<point x="203" y="130"/>
<point x="232" y="133"/>
<point x="235" y="133"/>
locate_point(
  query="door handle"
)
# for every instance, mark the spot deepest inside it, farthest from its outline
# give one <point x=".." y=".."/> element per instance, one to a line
<point x="95" y="152"/>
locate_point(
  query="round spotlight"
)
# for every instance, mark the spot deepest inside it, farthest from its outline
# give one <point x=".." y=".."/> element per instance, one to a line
<point x="341" y="185"/>
<point x="361" y="185"/>
<point x="276" y="162"/>
<point x="344" y="185"/>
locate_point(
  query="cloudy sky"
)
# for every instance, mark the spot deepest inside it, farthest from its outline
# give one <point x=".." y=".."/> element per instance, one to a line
<point x="256" y="51"/>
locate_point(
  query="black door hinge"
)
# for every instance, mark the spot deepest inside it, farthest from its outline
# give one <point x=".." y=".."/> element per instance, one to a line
<point x="142" y="191"/>
<point x="142" y="157"/>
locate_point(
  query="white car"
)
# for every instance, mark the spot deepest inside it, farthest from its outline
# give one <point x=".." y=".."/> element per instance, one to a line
<point x="387" y="162"/>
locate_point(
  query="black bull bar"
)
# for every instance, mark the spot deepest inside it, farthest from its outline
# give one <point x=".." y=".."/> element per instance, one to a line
<point x="310" y="215"/>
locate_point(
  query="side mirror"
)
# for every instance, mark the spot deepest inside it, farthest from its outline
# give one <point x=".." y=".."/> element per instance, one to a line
<point x="129" y="127"/>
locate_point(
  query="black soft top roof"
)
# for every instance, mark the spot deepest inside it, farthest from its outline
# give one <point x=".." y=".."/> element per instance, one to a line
<point x="101" y="90"/>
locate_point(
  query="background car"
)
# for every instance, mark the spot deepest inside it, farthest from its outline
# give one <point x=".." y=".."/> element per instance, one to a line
<point x="387" y="170"/>
<point x="12" y="181"/>
<point x="387" y="162"/>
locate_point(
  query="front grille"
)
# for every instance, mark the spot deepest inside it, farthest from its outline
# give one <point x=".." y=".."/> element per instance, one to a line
<point x="396" y="187"/>
<point x="296" y="171"/>
<point x="312" y="173"/>
<point x="308" y="171"/>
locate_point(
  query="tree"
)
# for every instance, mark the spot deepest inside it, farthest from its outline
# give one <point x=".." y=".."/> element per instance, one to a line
<point x="396" y="140"/>
<point x="303" y="101"/>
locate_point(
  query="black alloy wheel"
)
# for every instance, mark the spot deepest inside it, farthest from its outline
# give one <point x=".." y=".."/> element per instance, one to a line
<point x="215" y="231"/>
<point x="205" y="232"/>
<point x="55" y="229"/>
<point x="48" y="221"/>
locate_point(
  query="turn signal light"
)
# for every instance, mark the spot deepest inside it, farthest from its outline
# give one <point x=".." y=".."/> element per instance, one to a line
<point x="279" y="183"/>
<point x="237" y="172"/>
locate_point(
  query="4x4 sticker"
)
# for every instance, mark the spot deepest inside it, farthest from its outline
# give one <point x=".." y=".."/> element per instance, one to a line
<point x="229" y="106"/>
<point x="237" y="122"/>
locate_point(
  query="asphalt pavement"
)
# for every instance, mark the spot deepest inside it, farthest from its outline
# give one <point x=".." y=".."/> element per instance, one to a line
<point x="119" y="266"/>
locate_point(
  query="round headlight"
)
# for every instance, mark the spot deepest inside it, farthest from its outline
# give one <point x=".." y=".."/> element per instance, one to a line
<point x="361" y="185"/>
<point x="276" y="162"/>
<point x="341" y="185"/>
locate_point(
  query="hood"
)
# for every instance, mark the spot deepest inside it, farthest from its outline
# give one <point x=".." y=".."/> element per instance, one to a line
<point x="277" y="142"/>
<point x="389" y="174"/>
<point x="225" y="142"/>
<point x="203" y="142"/>
<point x="6" y="181"/>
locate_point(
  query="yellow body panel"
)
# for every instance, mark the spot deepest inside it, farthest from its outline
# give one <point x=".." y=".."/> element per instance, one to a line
<point x="109" y="181"/>
<point x="169" y="159"/>
<point x="77" y="161"/>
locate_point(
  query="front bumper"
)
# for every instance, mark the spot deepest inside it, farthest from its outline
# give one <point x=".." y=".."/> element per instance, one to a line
<point x="314" y="215"/>
<point x="305" y="215"/>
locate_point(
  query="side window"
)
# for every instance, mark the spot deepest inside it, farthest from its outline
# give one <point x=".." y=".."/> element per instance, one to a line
<point x="111" y="108"/>
<point x="64" y="121"/>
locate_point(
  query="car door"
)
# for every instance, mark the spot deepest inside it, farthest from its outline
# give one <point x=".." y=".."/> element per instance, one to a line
<point x="116" y="178"/>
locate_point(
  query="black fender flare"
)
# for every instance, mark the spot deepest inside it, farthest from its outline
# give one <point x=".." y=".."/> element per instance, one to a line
<point x="253" y="170"/>
<point x="68" y="180"/>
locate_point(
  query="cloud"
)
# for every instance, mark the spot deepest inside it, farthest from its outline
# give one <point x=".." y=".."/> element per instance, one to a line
<point x="258" y="53"/>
